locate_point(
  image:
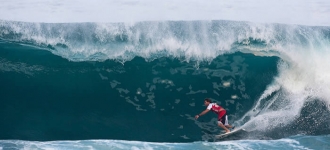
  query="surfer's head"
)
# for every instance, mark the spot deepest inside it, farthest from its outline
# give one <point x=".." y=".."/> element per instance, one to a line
<point x="207" y="101"/>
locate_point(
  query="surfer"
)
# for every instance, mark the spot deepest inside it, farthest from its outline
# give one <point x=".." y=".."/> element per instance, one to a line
<point x="221" y="112"/>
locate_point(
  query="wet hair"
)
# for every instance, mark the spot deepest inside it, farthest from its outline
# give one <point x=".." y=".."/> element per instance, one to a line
<point x="208" y="100"/>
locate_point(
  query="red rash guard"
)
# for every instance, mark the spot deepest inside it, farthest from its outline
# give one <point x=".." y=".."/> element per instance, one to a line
<point x="217" y="109"/>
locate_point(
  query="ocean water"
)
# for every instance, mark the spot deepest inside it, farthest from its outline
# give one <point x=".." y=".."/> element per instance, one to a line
<point x="115" y="83"/>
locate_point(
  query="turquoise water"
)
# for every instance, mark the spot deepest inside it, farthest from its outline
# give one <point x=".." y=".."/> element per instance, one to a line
<point x="124" y="86"/>
<point x="296" y="142"/>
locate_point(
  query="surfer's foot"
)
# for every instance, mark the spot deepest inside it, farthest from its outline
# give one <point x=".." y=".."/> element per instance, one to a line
<point x="233" y="127"/>
<point x="225" y="131"/>
<point x="228" y="131"/>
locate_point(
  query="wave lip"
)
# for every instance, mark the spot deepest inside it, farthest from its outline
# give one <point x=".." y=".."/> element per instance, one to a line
<point x="192" y="40"/>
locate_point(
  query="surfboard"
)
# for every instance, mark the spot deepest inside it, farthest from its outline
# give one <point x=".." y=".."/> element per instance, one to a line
<point x="230" y="133"/>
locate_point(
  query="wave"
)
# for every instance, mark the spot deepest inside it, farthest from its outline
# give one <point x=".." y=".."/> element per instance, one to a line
<point x="303" y="71"/>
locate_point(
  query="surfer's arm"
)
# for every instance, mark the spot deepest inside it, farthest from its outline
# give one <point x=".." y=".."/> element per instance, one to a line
<point x="202" y="113"/>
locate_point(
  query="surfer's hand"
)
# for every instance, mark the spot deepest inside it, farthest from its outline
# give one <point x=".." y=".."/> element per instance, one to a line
<point x="196" y="117"/>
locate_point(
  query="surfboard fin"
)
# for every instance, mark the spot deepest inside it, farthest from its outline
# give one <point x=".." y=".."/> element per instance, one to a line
<point x="232" y="128"/>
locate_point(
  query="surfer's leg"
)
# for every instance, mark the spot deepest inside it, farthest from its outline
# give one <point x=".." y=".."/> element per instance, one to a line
<point x="220" y="124"/>
<point x="224" y="119"/>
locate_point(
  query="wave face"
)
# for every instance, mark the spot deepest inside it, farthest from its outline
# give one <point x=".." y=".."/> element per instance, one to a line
<point x="47" y="97"/>
<point x="75" y="81"/>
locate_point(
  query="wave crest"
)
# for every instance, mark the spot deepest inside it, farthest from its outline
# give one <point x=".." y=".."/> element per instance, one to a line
<point x="191" y="40"/>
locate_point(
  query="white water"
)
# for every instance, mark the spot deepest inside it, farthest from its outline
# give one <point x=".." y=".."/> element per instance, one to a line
<point x="303" y="12"/>
<point x="297" y="142"/>
<point x="303" y="76"/>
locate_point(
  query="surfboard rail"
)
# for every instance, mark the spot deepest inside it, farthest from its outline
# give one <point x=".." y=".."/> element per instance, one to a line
<point x="220" y="136"/>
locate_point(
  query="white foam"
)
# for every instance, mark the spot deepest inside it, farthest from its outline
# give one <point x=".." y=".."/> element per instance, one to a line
<point x="297" y="142"/>
<point x="303" y="76"/>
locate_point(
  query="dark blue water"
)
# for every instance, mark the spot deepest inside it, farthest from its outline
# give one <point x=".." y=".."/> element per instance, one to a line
<point x="46" y="97"/>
